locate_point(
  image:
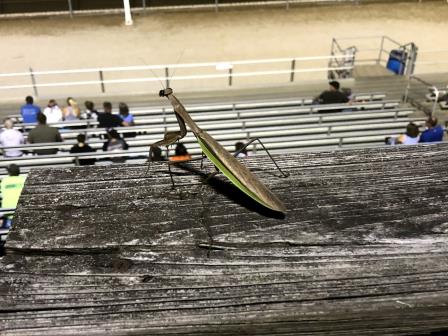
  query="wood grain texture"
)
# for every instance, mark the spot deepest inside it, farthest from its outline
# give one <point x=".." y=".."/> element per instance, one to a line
<point x="362" y="250"/>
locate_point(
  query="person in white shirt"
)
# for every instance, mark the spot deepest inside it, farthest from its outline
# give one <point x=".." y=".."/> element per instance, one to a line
<point x="11" y="137"/>
<point x="53" y="112"/>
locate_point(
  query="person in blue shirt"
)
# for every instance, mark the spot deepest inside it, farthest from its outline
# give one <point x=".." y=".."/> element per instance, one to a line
<point x="128" y="119"/>
<point x="433" y="133"/>
<point x="29" y="111"/>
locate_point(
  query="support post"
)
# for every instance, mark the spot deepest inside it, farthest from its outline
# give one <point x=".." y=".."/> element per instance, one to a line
<point x="167" y="76"/>
<point x="406" y="92"/>
<point x="381" y="50"/>
<point x="287" y="4"/>
<point x="127" y="13"/>
<point x="436" y="99"/>
<point x="33" y="81"/>
<point x="70" y="8"/>
<point x="216" y="5"/>
<point x="230" y="76"/>
<point x="103" y="89"/>
<point x="293" y="67"/>
<point x="144" y="5"/>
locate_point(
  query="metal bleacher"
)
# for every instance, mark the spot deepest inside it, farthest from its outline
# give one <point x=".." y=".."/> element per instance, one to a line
<point x="287" y="125"/>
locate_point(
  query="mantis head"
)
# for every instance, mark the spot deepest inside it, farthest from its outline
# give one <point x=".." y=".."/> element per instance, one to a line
<point x="166" y="92"/>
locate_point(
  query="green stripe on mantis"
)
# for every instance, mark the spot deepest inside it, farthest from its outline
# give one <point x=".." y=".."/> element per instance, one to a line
<point x="217" y="162"/>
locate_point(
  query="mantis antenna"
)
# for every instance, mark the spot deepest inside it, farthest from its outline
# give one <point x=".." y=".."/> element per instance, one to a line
<point x="177" y="63"/>
<point x="153" y="73"/>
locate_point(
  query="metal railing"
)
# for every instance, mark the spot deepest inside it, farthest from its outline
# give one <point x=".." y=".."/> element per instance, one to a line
<point x="416" y="93"/>
<point x="377" y="50"/>
<point x="370" y="49"/>
<point x="72" y="8"/>
<point x="341" y="57"/>
<point x="226" y="72"/>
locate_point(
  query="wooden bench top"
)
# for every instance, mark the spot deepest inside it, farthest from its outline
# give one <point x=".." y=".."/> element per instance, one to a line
<point x="363" y="249"/>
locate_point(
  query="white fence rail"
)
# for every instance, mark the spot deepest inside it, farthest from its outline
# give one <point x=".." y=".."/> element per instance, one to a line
<point x="195" y="76"/>
<point x="66" y="7"/>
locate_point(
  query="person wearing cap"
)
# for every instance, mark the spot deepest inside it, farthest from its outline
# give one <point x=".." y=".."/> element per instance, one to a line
<point x="433" y="132"/>
<point x="11" y="188"/>
<point x="333" y="95"/>
<point x="11" y="137"/>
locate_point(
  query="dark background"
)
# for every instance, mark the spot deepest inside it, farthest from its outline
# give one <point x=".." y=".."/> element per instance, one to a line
<point x="29" y="6"/>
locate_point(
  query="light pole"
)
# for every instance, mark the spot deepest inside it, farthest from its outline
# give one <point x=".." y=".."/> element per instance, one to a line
<point x="127" y="13"/>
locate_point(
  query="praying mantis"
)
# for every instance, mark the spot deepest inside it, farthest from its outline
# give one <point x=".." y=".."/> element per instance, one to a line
<point x="225" y="162"/>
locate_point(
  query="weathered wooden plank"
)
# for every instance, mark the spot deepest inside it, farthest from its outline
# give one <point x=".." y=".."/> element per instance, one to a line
<point x="362" y="250"/>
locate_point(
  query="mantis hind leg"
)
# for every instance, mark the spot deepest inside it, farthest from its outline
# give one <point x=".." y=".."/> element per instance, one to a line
<point x="265" y="149"/>
<point x="242" y="149"/>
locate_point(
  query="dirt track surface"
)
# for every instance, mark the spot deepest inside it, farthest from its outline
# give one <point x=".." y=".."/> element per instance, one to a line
<point x="56" y="43"/>
<point x="159" y="38"/>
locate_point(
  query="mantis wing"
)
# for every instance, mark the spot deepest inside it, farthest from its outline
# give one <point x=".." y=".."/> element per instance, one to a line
<point x="237" y="173"/>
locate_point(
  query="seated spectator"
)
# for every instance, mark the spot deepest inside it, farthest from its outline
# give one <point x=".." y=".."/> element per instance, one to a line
<point x="433" y="133"/>
<point x="181" y="153"/>
<point x="11" y="137"/>
<point x="348" y="93"/>
<point x="82" y="147"/>
<point x="11" y="188"/>
<point x="332" y="95"/>
<point x="115" y="143"/>
<point x="53" y="112"/>
<point x="90" y="111"/>
<point x="156" y="155"/>
<point x="107" y="119"/>
<point x="43" y="133"/>
<point x="128" y="119"/>
<point x="29" y="111"/>
<point x="238" y="146"/>
<point x="411" y="136"/>
<point x="71" y="111"/>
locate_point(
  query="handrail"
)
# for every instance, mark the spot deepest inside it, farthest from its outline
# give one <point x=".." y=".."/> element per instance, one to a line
<point x="430" y="87"/>
<point x="166" y="78"/>
<point x="222" y="69"/>
<point x="398" y="44"/>
<point x="171" y="66"/>
<point x="213" y="5"/>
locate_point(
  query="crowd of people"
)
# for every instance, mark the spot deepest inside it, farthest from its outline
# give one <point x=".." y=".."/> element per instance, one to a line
<point x="433" y="132"/>
<point x="43" y="132"/>
<point x="71" y="112"/>
<point x="412" y="136"/>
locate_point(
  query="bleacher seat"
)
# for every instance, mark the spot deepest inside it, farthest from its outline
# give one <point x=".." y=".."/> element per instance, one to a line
<point x="284" y="125"/>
